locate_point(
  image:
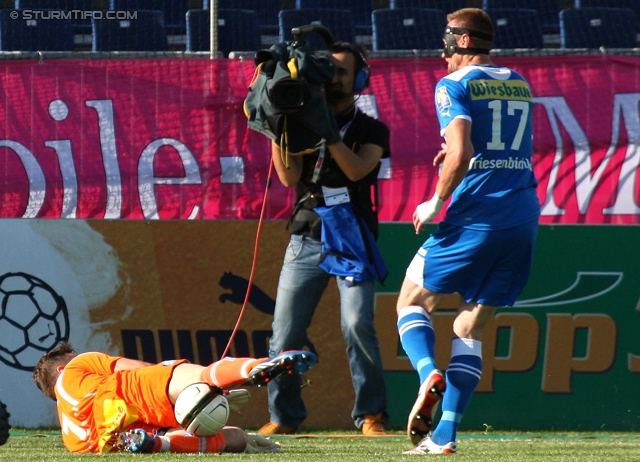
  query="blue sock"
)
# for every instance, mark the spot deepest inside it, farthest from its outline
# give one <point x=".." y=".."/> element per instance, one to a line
<point x="463" y="374"/>
<point x="418" y="338"/>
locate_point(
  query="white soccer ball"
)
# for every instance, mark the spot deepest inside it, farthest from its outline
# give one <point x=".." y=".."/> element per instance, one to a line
<point x="33" y="320"/>
<point x="201" y="409"/>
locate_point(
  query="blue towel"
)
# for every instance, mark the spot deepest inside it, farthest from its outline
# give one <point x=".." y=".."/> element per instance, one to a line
<point x="348" y="246"/>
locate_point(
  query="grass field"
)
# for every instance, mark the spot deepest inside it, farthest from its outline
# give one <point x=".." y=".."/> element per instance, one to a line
<point x="34" y="446"/>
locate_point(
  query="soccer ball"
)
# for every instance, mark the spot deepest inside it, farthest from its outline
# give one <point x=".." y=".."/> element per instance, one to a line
<point x="33" y="320"/>
<point x="201" y="409"/>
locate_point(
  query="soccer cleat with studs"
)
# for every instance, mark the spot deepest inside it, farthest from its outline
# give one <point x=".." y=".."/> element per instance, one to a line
<point x="427" y="446"/>
<point x="285" y="363"/>
<point x="135" y="441"/>
<point x="420" y="417"/>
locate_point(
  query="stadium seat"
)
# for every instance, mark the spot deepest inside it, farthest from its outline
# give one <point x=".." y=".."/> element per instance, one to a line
<point x="267" y="12"/>
<point x="174" y="11"/>
<point x="360" y="9"/>
<point x="35" y="34"/>
<point x="547" y="9"/>
<point x="408" y="29"/>
<point x="339" y="22"/>
<point x="631" y="4"/>
<point x="447" y="6"/>
<point x="238" y="30"/>
<point x="146" y="33"/>
<point x="516" y="28"/>
<point x="80" y="25"/>
<point x="597" y="27"/>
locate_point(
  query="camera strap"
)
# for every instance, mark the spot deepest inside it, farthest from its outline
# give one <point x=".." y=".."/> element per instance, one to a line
<point x="319" y="162"/>
<point x="323" y="149"/>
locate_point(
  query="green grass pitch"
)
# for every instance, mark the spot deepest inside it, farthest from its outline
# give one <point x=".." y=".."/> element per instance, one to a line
<point x="46" y="446"/>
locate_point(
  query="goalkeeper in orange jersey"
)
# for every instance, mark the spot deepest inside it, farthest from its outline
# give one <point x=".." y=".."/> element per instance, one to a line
<point x="108" y="403"/>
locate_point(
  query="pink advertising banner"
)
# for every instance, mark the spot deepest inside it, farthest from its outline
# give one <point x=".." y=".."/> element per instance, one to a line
<point x="168" y="139"/>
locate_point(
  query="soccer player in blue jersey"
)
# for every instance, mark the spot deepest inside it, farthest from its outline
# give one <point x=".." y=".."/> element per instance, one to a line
<point x="483" y="248"/>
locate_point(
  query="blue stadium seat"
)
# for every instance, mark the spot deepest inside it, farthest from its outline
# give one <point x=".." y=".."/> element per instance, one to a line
<point x="408" y="29"/>
<point x="596" y="27"/>
<point x="448" y="6"/>
<point x="360" y="9"/>
<point x="238" y="30"/>
<point x="80" y="25"/>
<point x="339" y="22"/>
<point x="174" y="11"/>
<point x="631" y="4"/>
<point x="267" y="12"/>
<point x="516" y="28"/>
<point x="35" y="34"/>
<point x="146" y="33"/>
<point x="547" y="9"/>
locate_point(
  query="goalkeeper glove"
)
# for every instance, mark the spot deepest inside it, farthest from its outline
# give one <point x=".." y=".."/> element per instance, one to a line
<point x="257" y="443"/>
<point x="237" y="398"/>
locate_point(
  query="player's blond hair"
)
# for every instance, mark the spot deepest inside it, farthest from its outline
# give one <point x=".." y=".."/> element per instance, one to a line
<point x="45" y="373"/>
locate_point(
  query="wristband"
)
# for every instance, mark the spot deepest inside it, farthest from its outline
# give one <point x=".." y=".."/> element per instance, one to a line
<point x="428" y="210"/>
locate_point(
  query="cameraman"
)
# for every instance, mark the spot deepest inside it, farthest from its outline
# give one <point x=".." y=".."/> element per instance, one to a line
<point x="348" y="170"/>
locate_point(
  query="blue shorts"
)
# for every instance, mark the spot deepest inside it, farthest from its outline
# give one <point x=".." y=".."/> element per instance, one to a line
<point x="488" y="267"/>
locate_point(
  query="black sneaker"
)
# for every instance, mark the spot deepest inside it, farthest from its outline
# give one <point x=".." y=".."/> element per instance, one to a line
<point x="285" y="363"/>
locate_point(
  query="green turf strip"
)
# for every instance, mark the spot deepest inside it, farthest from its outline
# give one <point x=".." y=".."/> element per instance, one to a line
<point x="461" y="436"/>
<point x="46" y="445"/>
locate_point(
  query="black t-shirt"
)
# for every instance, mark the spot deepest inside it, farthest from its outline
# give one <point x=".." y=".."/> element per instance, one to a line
<point x="363" y="129"/>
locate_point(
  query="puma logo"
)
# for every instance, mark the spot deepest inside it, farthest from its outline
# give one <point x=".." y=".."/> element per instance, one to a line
<point x="258" y="298"/>
<point x="238" y="286"/>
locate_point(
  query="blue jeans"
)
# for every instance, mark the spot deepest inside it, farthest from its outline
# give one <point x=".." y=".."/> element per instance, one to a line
<point x="299" y="290"/>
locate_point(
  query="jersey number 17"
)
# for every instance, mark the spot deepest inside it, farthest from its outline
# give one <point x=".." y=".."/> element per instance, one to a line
<point x="496" y="143"/>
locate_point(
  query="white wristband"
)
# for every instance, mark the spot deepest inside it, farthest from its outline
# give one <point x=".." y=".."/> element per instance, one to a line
<point x="428" y="210"/>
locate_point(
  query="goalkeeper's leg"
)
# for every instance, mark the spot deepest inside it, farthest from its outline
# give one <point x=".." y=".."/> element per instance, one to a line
<point x="228" y="372"/>
<point x="223" y="374"/>
<point x="235" y="371"/>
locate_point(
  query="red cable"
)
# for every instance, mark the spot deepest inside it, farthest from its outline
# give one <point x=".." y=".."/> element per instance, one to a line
<point x="253" y="264"/>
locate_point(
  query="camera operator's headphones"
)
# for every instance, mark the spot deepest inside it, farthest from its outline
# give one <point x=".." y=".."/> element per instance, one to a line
<point x="362" y="78"/>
